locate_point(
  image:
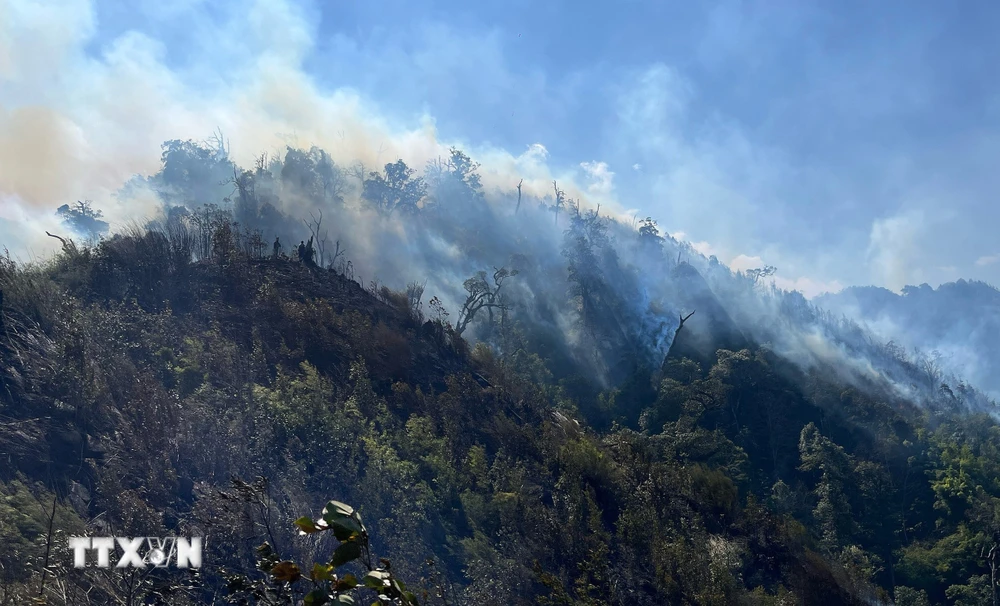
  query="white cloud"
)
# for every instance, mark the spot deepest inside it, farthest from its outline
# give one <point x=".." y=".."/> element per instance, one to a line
<point x="744" y="262"/>
<point x="809" y="287"/>
<point x="703" y="248"/>
<point x="987" y="260"/>
<point x="600" y="176"/>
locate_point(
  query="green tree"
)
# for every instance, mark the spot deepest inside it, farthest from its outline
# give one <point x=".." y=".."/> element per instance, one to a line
<point x="397" y="190"/>
<point x="832" y="512"/>
<point x="84" y="219"/>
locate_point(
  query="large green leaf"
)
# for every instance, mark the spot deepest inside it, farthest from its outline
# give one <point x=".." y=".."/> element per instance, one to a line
<point x="376" y="579"/>
<point x="307" y="525"/>
<point x="347" y="552"/>
<point x="336" y="510"/>
<point x="346" y="529"/>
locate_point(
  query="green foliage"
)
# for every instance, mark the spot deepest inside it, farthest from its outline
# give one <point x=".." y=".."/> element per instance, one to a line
<point x="313" y="174"/>
<point x="25" y="513"/>
<point x="940" y="563"/>
<point x="832" y="512"/>
<point x="976" y="592"/>
<point x="907" y="596"/>
<point x="135" y="384"/>
<point x="395" y="190"/>
<point x="84" y="219"/>
<point x="327" y="582"/>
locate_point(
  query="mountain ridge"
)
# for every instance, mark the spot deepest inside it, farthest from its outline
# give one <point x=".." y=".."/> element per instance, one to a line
<point x="542" y="432"/>
<point x="960" y="320"/>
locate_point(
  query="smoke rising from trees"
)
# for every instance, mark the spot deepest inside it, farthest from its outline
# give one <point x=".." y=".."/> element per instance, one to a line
<point x="610" y="293"/>
<point x="84" y="122"/>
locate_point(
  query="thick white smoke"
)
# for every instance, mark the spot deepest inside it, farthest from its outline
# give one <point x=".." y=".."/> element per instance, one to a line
<point x="80" y="117"/>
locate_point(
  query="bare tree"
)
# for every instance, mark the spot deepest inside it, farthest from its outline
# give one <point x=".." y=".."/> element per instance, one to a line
<point x="414" y="294"/>
<point x="358" y="171"/>
<point x="64" y="243"/>
<point x="518" y="207"/>
<point x="482" y="295"/>
<point x="337" y="253"/>
<point x="560" y="201"/>
<point x="758" y="274"/>
<point x="220" y="142"/>
<point x="683" y="319"/>
<point x="991" y="558"/>
<point x="319" y="236"/>
<point x="680" y="325"/>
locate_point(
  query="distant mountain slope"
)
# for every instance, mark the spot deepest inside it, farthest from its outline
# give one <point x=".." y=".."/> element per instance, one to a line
<point x="959" y="320"/>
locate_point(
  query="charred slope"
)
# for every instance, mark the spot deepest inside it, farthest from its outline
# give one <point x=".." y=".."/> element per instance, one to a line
<point x="165" y="380"/>
<point x="271" y="315"/>
<point x="400" y="344"/>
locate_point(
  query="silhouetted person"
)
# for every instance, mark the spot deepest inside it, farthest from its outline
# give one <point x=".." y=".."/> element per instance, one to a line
<point x="310" y="254"/>
<point x="277" y="247"/>
<point x="302" y="251"/>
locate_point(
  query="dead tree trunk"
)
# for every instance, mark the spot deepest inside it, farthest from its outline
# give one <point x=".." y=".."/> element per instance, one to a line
<point x="559" y="201"/>
<point x="683" y="319"/>
<point x="57" y="238"/>
<point x="991" y="558"/>
<point x="314" y="225"/>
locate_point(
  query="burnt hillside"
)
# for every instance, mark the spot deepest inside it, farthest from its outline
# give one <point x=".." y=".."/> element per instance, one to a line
<point x="136" y="387"/>
<point x="509" y="411"/>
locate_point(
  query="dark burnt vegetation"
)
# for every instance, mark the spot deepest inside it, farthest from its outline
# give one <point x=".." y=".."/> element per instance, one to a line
<point x="614" y="423"/>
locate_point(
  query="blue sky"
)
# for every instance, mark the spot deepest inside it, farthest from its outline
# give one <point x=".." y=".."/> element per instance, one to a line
<point x="846" y="143"/>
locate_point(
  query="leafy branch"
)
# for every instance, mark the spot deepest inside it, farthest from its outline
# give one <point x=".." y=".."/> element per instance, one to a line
<point x="328" y="585"/>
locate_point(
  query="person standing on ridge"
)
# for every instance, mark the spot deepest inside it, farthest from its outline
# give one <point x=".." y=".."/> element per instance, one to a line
<point x="310" y="252"/>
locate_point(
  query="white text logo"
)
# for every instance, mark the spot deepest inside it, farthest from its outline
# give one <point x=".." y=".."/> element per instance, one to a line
<point x="139" y="552"/>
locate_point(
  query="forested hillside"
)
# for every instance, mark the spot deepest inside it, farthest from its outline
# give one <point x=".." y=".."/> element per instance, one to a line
<point x="526" y="401"/>
<point x="958" y="321"/>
